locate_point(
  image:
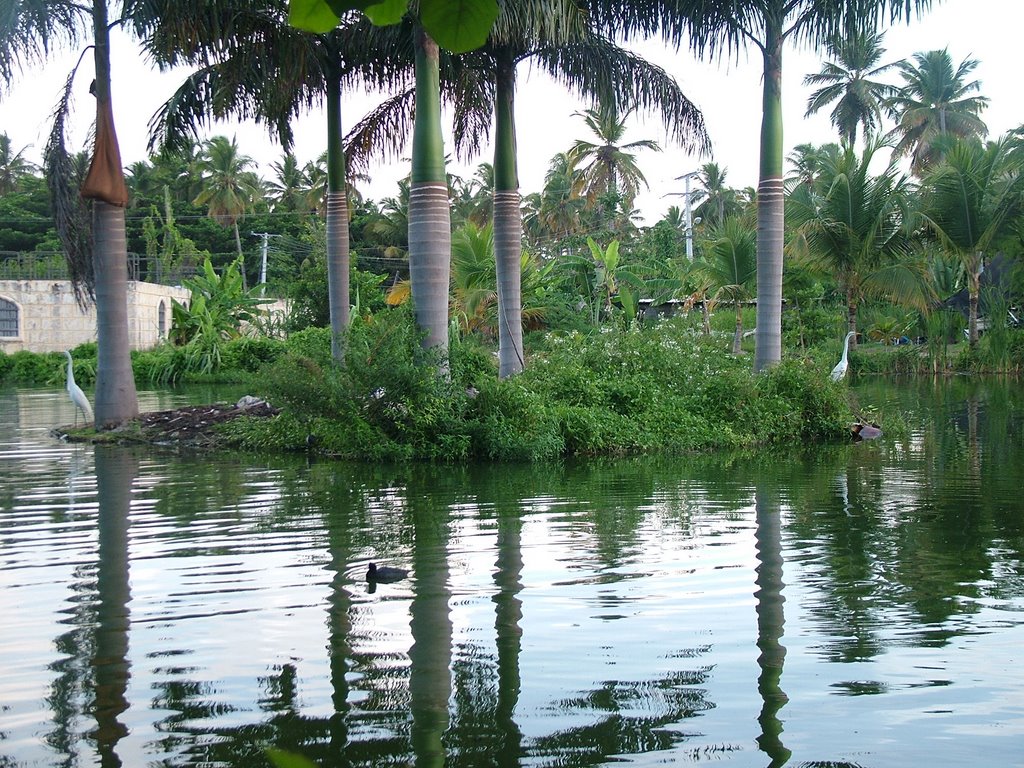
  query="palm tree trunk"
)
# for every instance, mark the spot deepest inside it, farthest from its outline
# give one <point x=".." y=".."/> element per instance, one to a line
<point x="430" y="236"/>
<point x="116" y="398"/>
<point x="508" y="224"/>
<point x="770" y="216"/>
<point x="737" y="337"/>
<point x="851" y="315"/>
<point x="973" y="292"/>
<point x="337" y="222"/>
<point x="241" y="256"/>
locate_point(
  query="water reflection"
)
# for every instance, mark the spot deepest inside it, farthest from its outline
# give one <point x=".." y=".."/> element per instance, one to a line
<point x="201" y="609"/>
<point x="771" y="621"/>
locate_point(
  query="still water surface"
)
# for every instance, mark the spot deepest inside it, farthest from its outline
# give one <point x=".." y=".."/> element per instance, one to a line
<point x="858" y="605"/>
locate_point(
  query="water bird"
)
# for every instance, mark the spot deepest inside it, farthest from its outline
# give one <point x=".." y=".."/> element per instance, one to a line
<point x="76" y="394"/>
<point x="384" y="574"/>
<point x="840" y="370"/>
<point x="863" y="431"/>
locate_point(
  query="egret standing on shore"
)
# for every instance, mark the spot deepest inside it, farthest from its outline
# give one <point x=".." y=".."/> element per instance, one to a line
<point x="840" y="370"/>
<point x="76" y="394"/>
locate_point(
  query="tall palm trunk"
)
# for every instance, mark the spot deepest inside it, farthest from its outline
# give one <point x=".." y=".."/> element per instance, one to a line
<point x="337" y="221"/>
<point x="851" y="313"/>
<point x="241" y="255"/>
<point x="430" y="235"/>
<point x="508" y="224"/>
<point x="116" y="398"/>
<point x="770" y="217"/>
<point x="973" y="293"/>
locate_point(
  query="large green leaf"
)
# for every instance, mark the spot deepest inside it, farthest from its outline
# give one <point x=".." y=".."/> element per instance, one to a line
<point x="458" y="25"/>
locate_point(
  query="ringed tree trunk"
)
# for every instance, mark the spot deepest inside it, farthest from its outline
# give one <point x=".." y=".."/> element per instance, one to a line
<point x="430" y="235"/>
<point x="116" y="398"/>
<point x="737" y="337"/>
<point x="337" y="221"/>
<point x="851" y="313"/>
<point x="508" y="224"/>
<point x="770" y="216"/>
<point x="241" y="254"/>
<point x="973" y="292"/>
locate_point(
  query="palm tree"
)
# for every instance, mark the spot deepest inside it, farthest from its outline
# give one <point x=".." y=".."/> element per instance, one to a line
<point x="713" y="25"/>
<point x="971" y="200"/>
<point x="848" y="82"/>
<point x="430" y="232"/>
<point x="608" y="167"/>
<point x="720" y="200"/>
<point x="13" y="166"/>
<point x="729" y="266"/>
<point x="98" y="262"/>
<point x="229" y="189"/>
<point x="290" y="189"/>
<point x="273" y="81"/>
<point x="854" y="226"/>
<point x="935" y="100"/>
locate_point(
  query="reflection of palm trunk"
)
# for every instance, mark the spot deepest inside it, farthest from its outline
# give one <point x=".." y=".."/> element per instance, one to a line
<point x="339" y="624"/>
<point x="973" y="450"/>
<point x="508" y="616"/>
<point x="115" y="472"/>
<point x="770" y="622"/>
<point x="430" y="657"/>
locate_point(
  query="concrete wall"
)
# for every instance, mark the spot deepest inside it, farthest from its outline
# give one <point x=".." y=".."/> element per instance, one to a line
<point x="49" y="319"/>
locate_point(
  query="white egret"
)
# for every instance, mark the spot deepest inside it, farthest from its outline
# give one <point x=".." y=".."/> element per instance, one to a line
<point x="76" y="394"/>
<point x="840" y="370"/>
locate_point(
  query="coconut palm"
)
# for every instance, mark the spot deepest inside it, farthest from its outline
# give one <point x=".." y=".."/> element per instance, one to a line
<point x="290" y="188"/>
<point x="229" y="188"/>
<point x="971" y="200"/>
<point x="847" y="80"/>
<point x="13" y="166"/>
<point x="714" y="25"/>
<point x="729" y="267"/>
<point x="98" y="260"/>
<point x="608" y="166"/>
<point x="856" y="227"/>
<point x="720" y="200"/>
<point x="935" y="100"/>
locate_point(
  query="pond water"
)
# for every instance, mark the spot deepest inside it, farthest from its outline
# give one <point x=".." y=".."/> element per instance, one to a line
<point x="857" y="605"/>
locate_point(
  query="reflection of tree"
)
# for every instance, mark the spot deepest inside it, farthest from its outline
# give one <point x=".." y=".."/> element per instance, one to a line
<point x="115" y="473"/>
<point x="771" y="620"/>
<point x="509" y="633"/>
<point x="431" y="624"/>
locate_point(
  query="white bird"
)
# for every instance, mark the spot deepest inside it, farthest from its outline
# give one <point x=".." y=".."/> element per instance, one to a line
<point x="76" y="394"/>
<point x="840" y="370"/>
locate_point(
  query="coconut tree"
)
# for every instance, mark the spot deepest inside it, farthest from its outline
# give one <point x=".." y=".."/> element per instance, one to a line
<point x="608" y="165"/>
<point x="856" y="227"/>
<point x="13" y="166"/>
<point x="729" y="267"/>
<point x="722" y="25"/>
<point x="935" y="100"/>
<point x="848" y="81"/>
<point x="98" y="259"/>
<point x="228" y="187"/>
<point x="972" y="200"/>
<point x="290" y="188"/>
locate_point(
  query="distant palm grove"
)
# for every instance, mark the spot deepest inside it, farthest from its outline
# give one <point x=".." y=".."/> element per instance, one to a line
<point x="908" y="230"/>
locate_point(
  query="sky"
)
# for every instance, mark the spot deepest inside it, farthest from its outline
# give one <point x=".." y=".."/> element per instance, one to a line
<point x="728" y="92"/>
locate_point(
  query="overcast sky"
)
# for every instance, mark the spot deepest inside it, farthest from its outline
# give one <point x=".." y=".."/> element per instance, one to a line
<point x="729" y="93"/>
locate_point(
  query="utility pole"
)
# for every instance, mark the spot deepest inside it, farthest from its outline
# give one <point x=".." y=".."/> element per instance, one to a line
<point x="688" y="214"/>
<point x="263" y="258"/>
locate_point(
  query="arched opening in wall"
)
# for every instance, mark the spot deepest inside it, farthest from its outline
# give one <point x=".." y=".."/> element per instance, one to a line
<point x="161" y="321"/>
<point x="8" y="319"/>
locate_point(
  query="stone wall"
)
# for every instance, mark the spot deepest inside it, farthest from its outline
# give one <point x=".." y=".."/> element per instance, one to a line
<point x="49" y="319"/>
